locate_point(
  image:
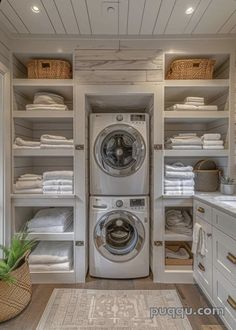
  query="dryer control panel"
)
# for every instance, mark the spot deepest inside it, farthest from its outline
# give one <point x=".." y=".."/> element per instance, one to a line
<point x="133" y="203"/>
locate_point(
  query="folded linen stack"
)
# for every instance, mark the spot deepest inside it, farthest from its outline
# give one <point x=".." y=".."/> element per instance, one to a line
<point x="192" y="103"/>
<point x="184" y="141"/>
<point x="25" y="144"/>
<point x="179" y="221"/>
<point x="178" y="180"/>
<point x="58" y="182"/>
<point x="212" y="141"/>
<point x="47" y="101"/>
<point x="55" y="141"/>
<point x="48" y="220"/>
<point x="51" y="256"/>
<point x="29" y="184"/>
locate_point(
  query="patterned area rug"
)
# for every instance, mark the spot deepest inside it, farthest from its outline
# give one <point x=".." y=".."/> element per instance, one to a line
<point x="76" y="309"/>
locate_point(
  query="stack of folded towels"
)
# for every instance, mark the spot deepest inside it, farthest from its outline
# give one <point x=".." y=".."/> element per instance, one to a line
<point x="179" y="221"/>
<point x="184" y="141"/>
<point x="58" y="182"/>
<point x="178" y="180"/>
<point x="212" y="141"/>
<point x="47" y="101"/>
<point x="25" y="144"/>
<point x="29" y="184"/>
<point x="192" y="103"/>
<point x="51" y="256"/>
<point x="55" y="141"/>
<point x="51" y="220"/>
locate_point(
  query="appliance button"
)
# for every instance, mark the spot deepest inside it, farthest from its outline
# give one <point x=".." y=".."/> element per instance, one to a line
<point x="119" y="203"/>
<point x="119" y="117"/>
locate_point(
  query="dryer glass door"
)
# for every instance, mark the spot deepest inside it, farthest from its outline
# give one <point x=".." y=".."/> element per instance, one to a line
<point x="119" y="236"/>
<point x="119" y="150"/>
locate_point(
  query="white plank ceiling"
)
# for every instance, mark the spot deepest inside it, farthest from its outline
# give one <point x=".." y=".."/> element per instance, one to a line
<point x="118" y="17"/>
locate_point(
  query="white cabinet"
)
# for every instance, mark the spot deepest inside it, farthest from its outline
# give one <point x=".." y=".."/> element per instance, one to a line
<point x="202" y="270"/>
<point x="203" y="211"/>
<point x="224" y="222"/>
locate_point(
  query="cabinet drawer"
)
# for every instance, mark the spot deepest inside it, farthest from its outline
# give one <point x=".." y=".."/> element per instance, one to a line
<point x="203" y="264"/>
<point x="224" y="295"/>
<point x="224" y="255"/>
<point x="203" y="211"/>
<point x="224" y="222"/>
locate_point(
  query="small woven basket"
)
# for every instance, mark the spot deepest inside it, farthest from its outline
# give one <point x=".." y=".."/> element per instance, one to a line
<point x="206" y="176"/>
<point x="15" y="297"/>
<point x="191" y="69"/>
<point x="49" y="69"/>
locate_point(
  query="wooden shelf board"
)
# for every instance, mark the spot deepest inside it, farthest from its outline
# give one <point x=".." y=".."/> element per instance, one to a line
<point x="196" y="153"/>
<point x="35" y="115"/>
<point x="43" y="152"/>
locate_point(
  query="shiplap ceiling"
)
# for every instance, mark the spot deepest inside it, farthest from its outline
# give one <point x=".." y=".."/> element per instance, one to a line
<point x="118" y="17"/>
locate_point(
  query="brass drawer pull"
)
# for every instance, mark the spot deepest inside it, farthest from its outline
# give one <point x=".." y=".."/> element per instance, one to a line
<point x="231" y="302"/>
<point x="201" y="267"/>
<point x="201" y="209"/>
<point x="231" y="258"/>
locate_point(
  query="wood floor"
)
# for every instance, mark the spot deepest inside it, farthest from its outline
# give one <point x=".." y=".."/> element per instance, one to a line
<point x="189" y="294"/>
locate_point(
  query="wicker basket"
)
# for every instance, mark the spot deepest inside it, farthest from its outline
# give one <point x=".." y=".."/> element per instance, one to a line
<point x="206" y="176"/>
<point x="15" y="297"/>
<point x="49" y="69"/>
<point x="191" y="69"/>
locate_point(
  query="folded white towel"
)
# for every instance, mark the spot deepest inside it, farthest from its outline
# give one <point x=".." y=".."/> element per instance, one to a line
<point x="185" y="135"/>
<point x="15" y="146"/>
<point x="178" y="182"/>
<point x="57" y="141"/>
<point x="176" y="188"/>
<point x="194" y="103"/>
<point x="45" y="107"/>
<point x="30" y="178"/>
<point x="25" y="143"/>
<point x="52" y="137"/>
<point x="48" y="98"/>
<point x="211" y="136"/>
<point x="28" y="191"/>
<point x="63" y="266"/>
<point x="56" y="216"/>
<point x="186" y="147"/>
<point x="28" y="184"/>
<point x="194" y="99"/>
<point x="216" y="147"/>
<point x="57" y="188"/>
<point x="213" y="142"/>
<point x="56" y="146"/>
<point x="185" y="141"/>
<point x="58" y="183"/>
<point x="208" y="107"/>
<point x="199" y="240"/>
<point x="182" y="253"/>
<point x="179" y="175"/>
<point x="51" y="252"/>
<point x="58" y="175"/>
<point x="188" y="107"/>
<point x="180" y="193"/>
<point x="178" y="167"/>
<point x="50" y="192"/>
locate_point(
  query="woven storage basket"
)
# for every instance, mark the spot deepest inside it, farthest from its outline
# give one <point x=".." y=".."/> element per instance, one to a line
<point x="206" y="176"/>
<point x="15" y="297"/>
<point x="191" y="69"/>
<point x="49" y="69"/>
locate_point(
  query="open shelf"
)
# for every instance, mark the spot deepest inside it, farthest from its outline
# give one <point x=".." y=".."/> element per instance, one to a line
<point x="53" y="277"/>
<point x="57" y="152"/>
<point x="204" y="84"/>
<point x="171" y="236"/>
<point x="197" y="116"/>
<point x="43" y="116"/>
<point x="196" y="153"/>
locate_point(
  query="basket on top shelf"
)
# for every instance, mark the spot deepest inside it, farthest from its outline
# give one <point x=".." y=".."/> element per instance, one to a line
<point x="201" y="68"/>
<point x="49" y="69"/>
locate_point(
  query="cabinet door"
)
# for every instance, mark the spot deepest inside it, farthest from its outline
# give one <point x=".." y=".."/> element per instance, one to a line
<point x="203" y="211"/>
<point x="203" y="265"/>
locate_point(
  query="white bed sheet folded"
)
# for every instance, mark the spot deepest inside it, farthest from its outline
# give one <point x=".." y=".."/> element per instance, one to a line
<point x="51" y="252"/>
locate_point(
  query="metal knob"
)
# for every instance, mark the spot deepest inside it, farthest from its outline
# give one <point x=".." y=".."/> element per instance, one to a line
<point x="119" y="117"/>
<point x="119" y="203"/>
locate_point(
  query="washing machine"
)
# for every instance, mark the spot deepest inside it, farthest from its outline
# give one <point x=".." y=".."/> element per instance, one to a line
<point x="119" y="155"/>
<point x="119" y="237"/>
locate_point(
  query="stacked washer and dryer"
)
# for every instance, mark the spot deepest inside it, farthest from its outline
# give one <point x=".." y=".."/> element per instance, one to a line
<point x="119" y="189"/>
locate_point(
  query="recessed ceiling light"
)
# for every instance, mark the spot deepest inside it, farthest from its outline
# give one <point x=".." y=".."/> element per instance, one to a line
<point x="189" y="11"/>
<point x="35" y="9"/>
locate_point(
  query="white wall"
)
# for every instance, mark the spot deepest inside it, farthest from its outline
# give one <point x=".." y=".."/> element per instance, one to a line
<point x="4" y="49"/>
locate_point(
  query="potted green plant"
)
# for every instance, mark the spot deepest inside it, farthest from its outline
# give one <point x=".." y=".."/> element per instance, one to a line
<point x="227" y="186"/>
<point x="15" y="281"/>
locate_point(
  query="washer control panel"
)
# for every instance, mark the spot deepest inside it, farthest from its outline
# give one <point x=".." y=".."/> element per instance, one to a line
<point x="133" y="203"/>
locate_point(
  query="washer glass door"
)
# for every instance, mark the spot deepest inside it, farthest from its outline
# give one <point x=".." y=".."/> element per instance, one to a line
<point x="119" y="236"/>
<point x="119" y="150"/>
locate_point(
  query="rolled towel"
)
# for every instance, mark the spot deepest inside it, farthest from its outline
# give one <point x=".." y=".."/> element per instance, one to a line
<point x="51" y="252"/>
<point x="182" y="107"/>
<point x="28" y="184"/>
<point x="46" y="141"/>
<point x="58" y="175"/>
<point x="25" y="143"/>
<point x="211" y="136"/>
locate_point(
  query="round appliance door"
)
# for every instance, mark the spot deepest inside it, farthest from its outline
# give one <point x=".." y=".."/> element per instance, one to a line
<point x="119" y="236"/>
<point x="119" y="150"/>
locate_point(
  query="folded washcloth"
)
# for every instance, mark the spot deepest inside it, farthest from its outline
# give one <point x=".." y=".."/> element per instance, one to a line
<point x="213" y="147"/>
<point x="51" y="267"/>
<point x="178" y="167"/>
<point x="25" y="143"/>
<point x="56" y="216"/>
<point x="58" y="175"/>
<point x="58" y="183"/>
<point x="28" y="184"/>
<point x="48" y="98"/>
<point x="51" y="252"/>
<point x="178" y="182"/>
<point x="211" y="136"/>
